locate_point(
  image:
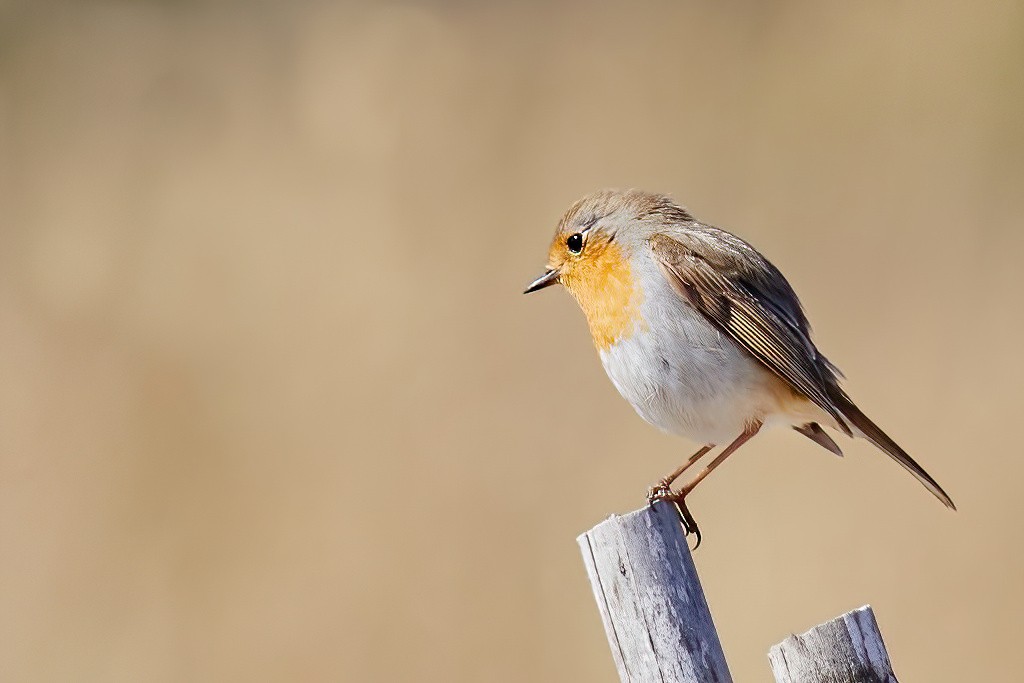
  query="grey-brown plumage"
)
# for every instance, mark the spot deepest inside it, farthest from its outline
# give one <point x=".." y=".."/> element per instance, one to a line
<point x="814" y="432"/>
<point x="743" y="295"/>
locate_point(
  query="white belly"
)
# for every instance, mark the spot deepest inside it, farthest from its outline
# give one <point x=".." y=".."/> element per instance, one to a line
<point x="685" y="377"/>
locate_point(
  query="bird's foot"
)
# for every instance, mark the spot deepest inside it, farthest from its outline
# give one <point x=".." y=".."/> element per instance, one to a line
<point x="662" y="491"/>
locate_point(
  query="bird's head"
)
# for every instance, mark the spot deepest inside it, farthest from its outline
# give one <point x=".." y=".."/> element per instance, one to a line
<point x="593" y="255"/>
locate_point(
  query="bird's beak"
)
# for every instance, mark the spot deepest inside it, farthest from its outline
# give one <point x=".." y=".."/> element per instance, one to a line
<point x="546" y="280"/>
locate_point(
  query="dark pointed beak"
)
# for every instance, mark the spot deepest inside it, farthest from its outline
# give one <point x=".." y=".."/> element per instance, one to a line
<point x="546" y="280"/>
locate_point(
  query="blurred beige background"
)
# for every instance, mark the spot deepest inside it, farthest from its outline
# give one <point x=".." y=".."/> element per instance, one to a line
<point x="272" y="406"/>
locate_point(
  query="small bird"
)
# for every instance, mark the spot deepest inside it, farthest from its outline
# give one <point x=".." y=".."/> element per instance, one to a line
<point x="700" y="333"/>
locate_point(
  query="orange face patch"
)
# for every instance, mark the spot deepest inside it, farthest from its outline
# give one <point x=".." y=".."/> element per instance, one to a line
<point x="602" y="283"/>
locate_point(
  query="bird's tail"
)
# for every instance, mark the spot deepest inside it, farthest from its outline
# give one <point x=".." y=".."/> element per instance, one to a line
<point x="873" y="433"/>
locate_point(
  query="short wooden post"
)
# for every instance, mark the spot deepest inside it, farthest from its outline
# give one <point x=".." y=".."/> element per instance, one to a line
<point x="848" y="649"/>
<point x="654" y="612"/>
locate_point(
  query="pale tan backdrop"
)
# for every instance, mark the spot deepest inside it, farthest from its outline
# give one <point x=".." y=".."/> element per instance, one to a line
<point x="272" y="406"/>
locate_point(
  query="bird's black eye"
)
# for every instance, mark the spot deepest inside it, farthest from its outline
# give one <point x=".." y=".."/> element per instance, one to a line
<point x="575" y="243"/>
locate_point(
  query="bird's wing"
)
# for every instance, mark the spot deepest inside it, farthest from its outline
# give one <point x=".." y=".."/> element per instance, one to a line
<point x="744" y="296"/>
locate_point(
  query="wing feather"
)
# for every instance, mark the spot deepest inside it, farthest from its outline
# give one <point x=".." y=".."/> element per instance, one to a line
<point x="747" y="298"/>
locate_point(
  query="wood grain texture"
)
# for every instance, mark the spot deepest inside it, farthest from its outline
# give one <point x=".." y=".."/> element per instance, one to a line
<point x="647" y="590"/>
<point x="848" y="649"/>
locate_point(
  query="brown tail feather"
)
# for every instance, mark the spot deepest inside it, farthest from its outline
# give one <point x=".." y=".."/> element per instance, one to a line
<point x="814" y="432"/>
<point x="875" y="435"/>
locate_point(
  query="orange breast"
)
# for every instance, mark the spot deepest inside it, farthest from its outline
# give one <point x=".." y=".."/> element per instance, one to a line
<point x="606" y="291"/>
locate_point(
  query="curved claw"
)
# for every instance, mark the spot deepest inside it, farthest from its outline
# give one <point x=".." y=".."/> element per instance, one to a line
<point x="663" y="492"/>
<point x="689" y="523"/>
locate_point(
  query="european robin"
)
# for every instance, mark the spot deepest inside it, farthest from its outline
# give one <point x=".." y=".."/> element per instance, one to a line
<point x="700" y="333"/>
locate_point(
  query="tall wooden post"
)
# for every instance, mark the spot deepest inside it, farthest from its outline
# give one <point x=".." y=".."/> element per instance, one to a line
<point x="654" y="612"/>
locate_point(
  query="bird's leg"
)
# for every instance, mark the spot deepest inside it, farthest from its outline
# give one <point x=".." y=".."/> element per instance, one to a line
<point x="679" y="497"/>
<point x="663" y="489"/>
<point x="719" y="459"/>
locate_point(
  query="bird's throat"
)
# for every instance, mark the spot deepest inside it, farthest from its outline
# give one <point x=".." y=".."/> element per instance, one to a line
<point x="607" y="292"/>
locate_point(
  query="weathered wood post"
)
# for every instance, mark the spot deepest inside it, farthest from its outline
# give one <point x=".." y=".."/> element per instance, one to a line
<point x="654" y="612"/>
<point x="848" y="649"/>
